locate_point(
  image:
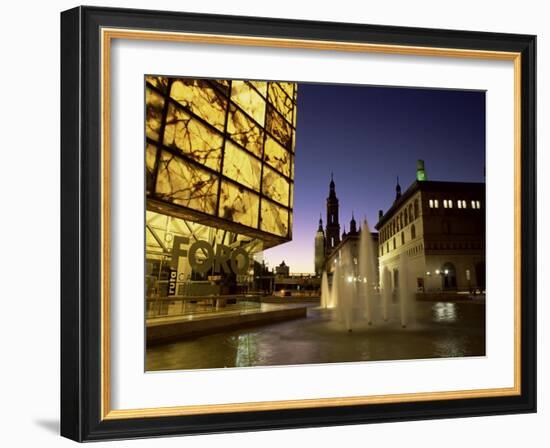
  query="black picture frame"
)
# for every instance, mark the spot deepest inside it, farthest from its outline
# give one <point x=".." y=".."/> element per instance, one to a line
<point x="81" y="215"/>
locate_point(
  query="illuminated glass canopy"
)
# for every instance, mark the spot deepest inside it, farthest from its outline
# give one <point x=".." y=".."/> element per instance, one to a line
<point x="221" y="152"/>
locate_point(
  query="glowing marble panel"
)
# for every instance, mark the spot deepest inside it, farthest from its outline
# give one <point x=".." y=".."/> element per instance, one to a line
<point x="185" y="184"/>
<point x="275" y="186"/>
<point x="241" y="166"/>
<point x="202" y="99"/>
<point x="238" y="204"/>
<point x="274" y="219"/>
<point x="193" y="138"/>
<point x="249" y="100"/>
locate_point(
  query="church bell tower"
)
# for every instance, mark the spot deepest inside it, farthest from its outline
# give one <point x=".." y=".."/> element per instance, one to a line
<point x="332" y="233"/>
<point x="319" y="249"/>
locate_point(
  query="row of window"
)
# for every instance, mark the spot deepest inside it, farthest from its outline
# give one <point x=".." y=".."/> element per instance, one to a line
<point x="449" y="203"/>
<point x="454" y="245"/>
<point x="394" y="243"/>
<point x="408" y="214"/>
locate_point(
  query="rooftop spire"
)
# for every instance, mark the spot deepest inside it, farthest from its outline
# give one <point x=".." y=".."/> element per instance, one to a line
<point x="352" y="225"/>
<point x="397" y="190"/>
<point x="332" y="187"/>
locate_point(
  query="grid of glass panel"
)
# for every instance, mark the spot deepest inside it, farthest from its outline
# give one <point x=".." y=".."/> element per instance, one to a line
<point x="224" y="148"/>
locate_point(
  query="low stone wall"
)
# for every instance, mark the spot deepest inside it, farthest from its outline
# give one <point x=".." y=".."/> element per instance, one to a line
<point x="169" y="330"/>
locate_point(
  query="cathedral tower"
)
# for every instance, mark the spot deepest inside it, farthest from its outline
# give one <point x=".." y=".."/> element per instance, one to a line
<point x="333" y="226"/>
<point x="319" y="249"/>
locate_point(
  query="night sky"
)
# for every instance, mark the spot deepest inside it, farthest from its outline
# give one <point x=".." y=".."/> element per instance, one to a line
<point x="367" y="136"/>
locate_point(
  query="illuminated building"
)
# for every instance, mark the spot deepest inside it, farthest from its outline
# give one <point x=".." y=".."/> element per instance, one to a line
<point x="440" y="228"/>
<point x="350" y="242"/>
<point x="329" y="245"/>
<point x="219" y="180"/>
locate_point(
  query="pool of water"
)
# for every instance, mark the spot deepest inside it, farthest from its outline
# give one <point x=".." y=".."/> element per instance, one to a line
<point x="437" y="330"/>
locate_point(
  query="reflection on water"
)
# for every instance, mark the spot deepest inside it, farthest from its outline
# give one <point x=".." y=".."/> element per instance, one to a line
<point x="246" y="350"/>
<point x="439" y="330"/>
<point x="444" y="312"/>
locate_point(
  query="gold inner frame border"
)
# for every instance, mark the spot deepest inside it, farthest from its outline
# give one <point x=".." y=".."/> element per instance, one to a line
<point x="107" y="35"/>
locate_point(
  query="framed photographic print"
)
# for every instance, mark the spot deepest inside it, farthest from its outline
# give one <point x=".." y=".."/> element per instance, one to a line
<point x="272" y="223"/>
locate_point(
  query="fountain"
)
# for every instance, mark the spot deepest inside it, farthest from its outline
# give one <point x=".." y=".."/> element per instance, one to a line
<point x="354" y="295"/>
<point x="404" y="291"/>
<point x="325" y="292"/>
<point x="344" y="282"/>
<point x="367" y="270"/>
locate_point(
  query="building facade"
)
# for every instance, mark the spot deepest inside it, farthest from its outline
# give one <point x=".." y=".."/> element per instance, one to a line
<point x="330" y="244"/>
<point x="439" y="228"/>
<point x="351" y="242"/>
<point x="219" y="181"/>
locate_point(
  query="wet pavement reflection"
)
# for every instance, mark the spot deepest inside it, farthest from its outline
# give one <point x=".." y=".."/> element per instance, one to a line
<point x="440" y="329"/>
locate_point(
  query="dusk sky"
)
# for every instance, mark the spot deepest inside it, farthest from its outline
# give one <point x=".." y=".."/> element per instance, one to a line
<point x="367" y="136"/>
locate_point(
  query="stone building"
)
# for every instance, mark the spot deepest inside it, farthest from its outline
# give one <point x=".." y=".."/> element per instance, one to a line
<point x="439" y="228"/>
<point x="329" y="244"/>
<point x="350" y="242"/>
<point x="282" y="270"/>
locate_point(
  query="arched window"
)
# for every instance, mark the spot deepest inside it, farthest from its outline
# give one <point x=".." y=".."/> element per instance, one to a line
<point x="402" y="237"/>
<point x="413" y="232"/>
<point x="416" y="208"/>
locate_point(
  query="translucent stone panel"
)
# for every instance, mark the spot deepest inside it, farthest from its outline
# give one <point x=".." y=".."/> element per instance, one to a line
<point x="275" y="186"/>
<point x="185" y="184"/>
<point x="229" y="141"/>
<point x="222" y="84"/>
<point x="154" y="106"/>
<point x="279" y="128"/>
<point x="274" y="219"/>
<point x="249" y="100"/>
<point x="277" y="156"/>
<point x="238" y="204"/>
<point x="290" y="218"/>
<point x="150" y="158"/>
<point x="244" y="131"/>
<point x="193" y="138"/>
<point x="160" y="82"/>
<point x="281" y="101"/>
<point x="241" y="166"/>
<point x="261" y="86"/>
<point x="202" y="99"/>
<point x="288" y="87"/>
